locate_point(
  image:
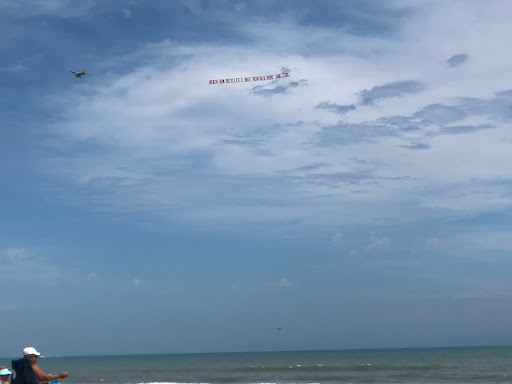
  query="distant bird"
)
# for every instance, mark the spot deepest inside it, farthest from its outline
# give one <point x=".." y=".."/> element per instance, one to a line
<point x="80" y="74"/>
<point x="278" y="329"/>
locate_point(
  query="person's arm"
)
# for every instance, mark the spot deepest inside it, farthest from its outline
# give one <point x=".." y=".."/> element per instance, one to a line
<point x="43" y="377"/>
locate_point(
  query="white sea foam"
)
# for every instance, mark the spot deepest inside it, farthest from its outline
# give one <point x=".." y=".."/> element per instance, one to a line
<point x="171" y="382"/>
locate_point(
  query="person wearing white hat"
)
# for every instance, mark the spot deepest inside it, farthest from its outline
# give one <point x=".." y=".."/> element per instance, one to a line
<point x="31" y="354"/>
<point x="4" y="375"/>
<point x="30" y="351"/>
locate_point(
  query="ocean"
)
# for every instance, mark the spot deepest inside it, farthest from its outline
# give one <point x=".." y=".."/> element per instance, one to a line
<point x="412" y="366"/>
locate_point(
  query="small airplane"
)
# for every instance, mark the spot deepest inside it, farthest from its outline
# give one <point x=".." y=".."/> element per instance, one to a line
<point x="80" y="74"/>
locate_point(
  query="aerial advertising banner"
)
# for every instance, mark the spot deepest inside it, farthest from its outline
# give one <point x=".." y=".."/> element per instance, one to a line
<point x="250" y="79"/>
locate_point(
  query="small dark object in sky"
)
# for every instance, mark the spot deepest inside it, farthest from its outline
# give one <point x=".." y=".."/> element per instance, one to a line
<point x="80" y="74"/>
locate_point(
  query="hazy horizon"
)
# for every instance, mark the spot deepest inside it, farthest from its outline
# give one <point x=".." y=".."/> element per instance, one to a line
<point x="272" y="351"/>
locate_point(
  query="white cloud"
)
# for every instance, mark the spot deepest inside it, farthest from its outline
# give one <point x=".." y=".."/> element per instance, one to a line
<point x="378" y="242"/>
<point x="137" y="282"/>
<point x="163" y="125"/>
<point x="239" y="7"/>
<point x="63" y="8"/>
<point x="489" y="244"/>
<point x="193" y="6"/>
<point x="16" y="256"/>
<point x="13" y="68"/>
<point x="337" y="239"/>
<point x="26" y="264"/>
<point x="284" y="283"/>
<point x="127" y="13"/>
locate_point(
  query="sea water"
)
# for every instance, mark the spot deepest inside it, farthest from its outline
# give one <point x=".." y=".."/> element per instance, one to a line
<point x="412" y="366"/>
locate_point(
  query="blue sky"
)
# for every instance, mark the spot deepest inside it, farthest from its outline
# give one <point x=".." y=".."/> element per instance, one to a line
<point x="363" y="202"/>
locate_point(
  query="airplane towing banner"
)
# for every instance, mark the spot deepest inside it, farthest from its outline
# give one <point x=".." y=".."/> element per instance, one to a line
<point x="250" y="79"/>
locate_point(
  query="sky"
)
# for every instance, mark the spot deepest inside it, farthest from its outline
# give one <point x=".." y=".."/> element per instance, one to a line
<point x="364" y="201"/>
